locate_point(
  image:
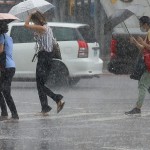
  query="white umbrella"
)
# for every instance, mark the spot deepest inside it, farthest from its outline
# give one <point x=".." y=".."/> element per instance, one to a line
<point x="23" y="9"/>
<point x="7" y="17"/>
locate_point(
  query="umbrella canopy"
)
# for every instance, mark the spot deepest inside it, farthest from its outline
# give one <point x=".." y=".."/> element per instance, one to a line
<point x="121" y="15"/>
<point x="23" y="9"/>
<point x="7" y="17"/>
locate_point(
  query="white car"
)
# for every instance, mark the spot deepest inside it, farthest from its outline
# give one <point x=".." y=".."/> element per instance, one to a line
<point x="80" y="52"/>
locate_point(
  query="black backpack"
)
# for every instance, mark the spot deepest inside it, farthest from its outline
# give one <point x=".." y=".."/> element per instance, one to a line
<point x="139" y="68"/>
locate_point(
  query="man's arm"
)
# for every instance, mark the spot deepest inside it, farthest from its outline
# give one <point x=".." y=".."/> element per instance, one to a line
<point x="1" y="48"/>
<point x="136" y="43"/>
<point x="34" y="27"/>
<point x="1" y="43"/>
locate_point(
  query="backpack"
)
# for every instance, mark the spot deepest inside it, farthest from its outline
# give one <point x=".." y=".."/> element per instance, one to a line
<point x="139" y="68"/>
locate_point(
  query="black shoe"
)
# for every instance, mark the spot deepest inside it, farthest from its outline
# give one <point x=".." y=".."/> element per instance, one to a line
<point x="12" y="119"/>
<point x="135" y="77"/>
<point x="46" y="110"/>
<point x="4" y="114"/>
<point x="15" y="117"/>
<point x="134" y="111"/>
<point x="2" y="118"/>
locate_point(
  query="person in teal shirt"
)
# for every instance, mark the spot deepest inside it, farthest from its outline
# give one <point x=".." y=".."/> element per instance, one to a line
<point x="7" y="73"/>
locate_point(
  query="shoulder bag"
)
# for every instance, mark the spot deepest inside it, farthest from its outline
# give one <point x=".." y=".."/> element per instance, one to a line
<point x="56" y="50"/>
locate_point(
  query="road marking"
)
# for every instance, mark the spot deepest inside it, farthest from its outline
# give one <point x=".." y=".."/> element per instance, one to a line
<point x="109" y="118"/>
<point x="55" y="117"/>
<point x="117" y="117"/>
<point x="36" y="116"/>
<point x="117" y="148"/>
<point x="145" y="114"/>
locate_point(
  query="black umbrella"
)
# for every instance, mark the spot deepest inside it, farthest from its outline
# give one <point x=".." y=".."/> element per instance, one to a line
<point x="120" y="15"/>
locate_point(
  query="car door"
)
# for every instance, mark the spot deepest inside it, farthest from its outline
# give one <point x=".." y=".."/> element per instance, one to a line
<point x="23" y="51"/>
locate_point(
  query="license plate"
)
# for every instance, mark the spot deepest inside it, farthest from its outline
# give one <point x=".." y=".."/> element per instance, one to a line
<point x="95" y="52"/>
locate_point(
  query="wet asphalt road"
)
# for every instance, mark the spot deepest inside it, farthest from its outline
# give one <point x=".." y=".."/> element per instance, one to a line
<point x="92" y="119"/>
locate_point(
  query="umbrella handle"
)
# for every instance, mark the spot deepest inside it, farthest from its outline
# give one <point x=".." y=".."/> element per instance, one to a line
<point x="127" y="29"/>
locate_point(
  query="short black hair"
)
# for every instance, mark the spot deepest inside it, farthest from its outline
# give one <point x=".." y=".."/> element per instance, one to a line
<point x="145" y="19"/>
<point x="3" y="27"/>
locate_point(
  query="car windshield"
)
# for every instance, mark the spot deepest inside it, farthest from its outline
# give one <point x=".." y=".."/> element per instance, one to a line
<point x="87" y="33"/>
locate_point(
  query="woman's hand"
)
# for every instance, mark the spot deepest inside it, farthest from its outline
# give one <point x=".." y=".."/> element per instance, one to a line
<point x="137" y="43"/>
<point x="28" y="19"/>
<point x="33" y="12"/>
<point x="133" y="40"/>
<point x="140" y="40"/>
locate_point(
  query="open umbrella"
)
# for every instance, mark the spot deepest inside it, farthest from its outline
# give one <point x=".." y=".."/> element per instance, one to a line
<point x="7" y="17"/>
<point x="120" y="15"/>
<point x="23" y="9"/>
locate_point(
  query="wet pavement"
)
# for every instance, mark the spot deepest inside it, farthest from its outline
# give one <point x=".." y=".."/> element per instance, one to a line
<point x="92" y="119"/>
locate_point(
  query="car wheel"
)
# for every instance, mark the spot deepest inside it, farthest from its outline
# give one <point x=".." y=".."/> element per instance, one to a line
<point x="73" y="81"/>
<point x="58" y="75"/>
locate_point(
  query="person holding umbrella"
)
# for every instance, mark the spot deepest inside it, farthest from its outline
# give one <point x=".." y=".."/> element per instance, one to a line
<point x="7" y="73"/>
<point x="144" y="46"/>
<point x="44" y="38"/>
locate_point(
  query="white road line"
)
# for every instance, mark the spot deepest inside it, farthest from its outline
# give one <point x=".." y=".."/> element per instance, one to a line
<point x="145" y="114"/>
<point x="117" y="148"/>
<point x="117" y="118"/>
<point x="55" y="117"/>
<point x="36" y="116"/>
<point x="109" y="118"/>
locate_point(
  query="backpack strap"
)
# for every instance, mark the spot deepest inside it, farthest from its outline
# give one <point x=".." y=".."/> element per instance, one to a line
<point x="4" y="39"/>
<point x="36" y="51"/>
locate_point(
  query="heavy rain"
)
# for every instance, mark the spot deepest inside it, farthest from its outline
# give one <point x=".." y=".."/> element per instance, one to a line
<point x="74" y="74"/>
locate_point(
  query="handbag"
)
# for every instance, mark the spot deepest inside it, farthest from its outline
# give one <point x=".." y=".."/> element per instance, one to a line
<point x="56" y="50"/>
<point x="147" y="61"/>
<point x="3" y="58"/>
<point x="139" y="68"/>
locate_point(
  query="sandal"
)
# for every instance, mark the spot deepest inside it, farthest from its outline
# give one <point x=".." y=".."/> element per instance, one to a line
<point x="60" y="106"/>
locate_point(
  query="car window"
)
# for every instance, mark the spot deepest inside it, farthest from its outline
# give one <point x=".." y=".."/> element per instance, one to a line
<point x="65" y="34"/>
<point x="20" y="34"/>
<point x="87" y="33"/>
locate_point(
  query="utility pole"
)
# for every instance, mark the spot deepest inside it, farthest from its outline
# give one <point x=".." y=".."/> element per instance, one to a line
<point x="89" y="8"/>
<point x="82" y="9"/>
<point x="56" y="11"/>
<point x="99" y="20"/>
<point x="63" y="3"/>
<point x="75" y="10"/>
<point x="96" y="20"/>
